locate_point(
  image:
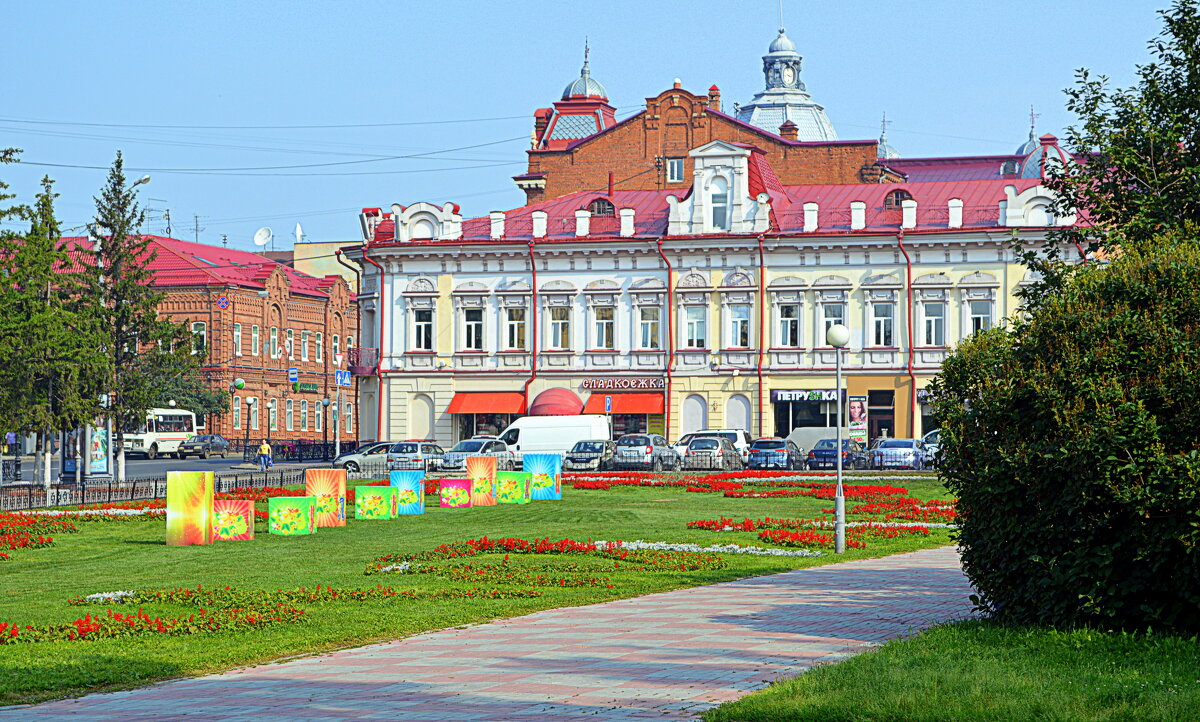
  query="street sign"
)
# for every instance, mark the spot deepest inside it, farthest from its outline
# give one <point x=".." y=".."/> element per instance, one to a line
<point x="608" y="404"/>
<point x="341" y="378"/>
<point x="293" y="374"/>
<point x="223" y="302"/>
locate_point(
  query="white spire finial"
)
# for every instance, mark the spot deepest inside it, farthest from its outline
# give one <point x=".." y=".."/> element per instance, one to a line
<point x="883" y="129"/>
<point x="781" y="16"/>
<point x="1033" y="122"/>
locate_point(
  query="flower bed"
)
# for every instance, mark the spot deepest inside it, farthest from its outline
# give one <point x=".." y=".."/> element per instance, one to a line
<point x="25" y="531"/>
<point x="855" y="535"/>
<point x="908" y="508"/>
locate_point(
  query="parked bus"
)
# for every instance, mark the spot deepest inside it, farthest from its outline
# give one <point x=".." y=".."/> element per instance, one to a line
<point x="163" y="432"/>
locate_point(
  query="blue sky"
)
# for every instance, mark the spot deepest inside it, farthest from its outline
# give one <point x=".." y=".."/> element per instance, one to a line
<point x="956" y="78"/>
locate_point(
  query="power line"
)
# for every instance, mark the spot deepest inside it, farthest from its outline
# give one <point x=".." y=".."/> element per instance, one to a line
<point x="184" y="171"/>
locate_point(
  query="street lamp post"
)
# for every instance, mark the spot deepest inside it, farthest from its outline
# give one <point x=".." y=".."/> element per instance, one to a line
<point x="246" y="422"/>
<point x="838" y="336"/>
<point x="325" y="428"/>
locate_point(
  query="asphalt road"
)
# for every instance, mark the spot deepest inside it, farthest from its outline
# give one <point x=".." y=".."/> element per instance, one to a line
<point x="140" y="468"/>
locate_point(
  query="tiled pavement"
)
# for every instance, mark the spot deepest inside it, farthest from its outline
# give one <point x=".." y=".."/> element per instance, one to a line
<point x="663" y="656"/>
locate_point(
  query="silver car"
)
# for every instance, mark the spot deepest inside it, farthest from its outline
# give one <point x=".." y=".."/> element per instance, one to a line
<point x="456" y="458"/>
<point x="365" y="456"/>
<point x="414" y="455"/>
<point x="645" y="451"/>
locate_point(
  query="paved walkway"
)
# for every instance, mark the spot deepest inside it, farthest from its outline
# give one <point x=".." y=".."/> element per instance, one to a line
<point x="663" y="656"/>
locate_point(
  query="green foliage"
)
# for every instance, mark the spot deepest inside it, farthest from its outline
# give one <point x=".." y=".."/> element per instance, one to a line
<point x="140" y="346"/>
<point x="191" y="391"/>
<point x="1137" y="150"/>
<point x="49" y="368"/>
<point x="1072" y="447"/>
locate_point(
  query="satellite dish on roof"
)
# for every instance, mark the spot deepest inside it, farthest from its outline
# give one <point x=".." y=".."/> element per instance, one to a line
<point x="299" y="233"/>
<point x="263" y="236"/>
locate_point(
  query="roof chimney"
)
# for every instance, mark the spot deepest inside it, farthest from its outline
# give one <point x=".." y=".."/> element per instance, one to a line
<point x="541" y="119"/>
<point x="678" y="83"/>
<point x="789" y="130"/>
<point x="714" y="98"/>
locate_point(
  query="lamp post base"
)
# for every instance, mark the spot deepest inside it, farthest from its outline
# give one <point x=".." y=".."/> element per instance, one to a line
<point x="839" y="525"/>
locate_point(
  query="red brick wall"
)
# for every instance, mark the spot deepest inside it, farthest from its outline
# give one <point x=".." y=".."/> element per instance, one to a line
<point x="673" y="123"/>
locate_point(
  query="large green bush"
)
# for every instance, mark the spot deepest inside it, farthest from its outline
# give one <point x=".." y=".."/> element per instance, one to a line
<point x="1072" y="444"/>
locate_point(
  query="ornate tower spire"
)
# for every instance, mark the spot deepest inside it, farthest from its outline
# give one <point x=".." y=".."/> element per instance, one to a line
<point x="785" y="96"/>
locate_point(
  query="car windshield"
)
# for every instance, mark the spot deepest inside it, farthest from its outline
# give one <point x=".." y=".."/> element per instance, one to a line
<point x="403" y="448"/>
<point x="703" y="444"/>
<point x="468" y="446"/>
<point x="190" y="439"/>
<point x="363" y="449"/>
<point x="721" y="435"/>
<point x="897" y="444"/>
<point x="831" y="444"/>
<point x="588" y="447"/>
<point x="633" y="441"/>
<point x="770" y="444"/>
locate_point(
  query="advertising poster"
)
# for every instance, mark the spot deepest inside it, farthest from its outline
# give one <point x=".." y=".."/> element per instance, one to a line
<point x="858" y="419"/>
<point x="98" y="452"/>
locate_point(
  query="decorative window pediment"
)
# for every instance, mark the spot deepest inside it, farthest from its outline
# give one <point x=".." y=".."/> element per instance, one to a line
<point x="425" y="221"/>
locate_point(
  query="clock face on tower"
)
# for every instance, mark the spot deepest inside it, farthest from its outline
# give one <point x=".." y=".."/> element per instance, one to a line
<point x="788" y="75"/>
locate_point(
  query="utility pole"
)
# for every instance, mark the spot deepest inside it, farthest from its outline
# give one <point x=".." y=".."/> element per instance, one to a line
<point x="196" y="228"/>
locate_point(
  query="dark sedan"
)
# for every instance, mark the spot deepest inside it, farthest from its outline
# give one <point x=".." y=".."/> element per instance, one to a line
<point x="591" y="455"/>
<point x="775" y="453"/>
<point x="204" y="446"/>
<point x="824" y="455"/>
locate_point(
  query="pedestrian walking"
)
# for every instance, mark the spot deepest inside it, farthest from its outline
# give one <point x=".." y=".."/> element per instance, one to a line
<point x="264" y="456"/>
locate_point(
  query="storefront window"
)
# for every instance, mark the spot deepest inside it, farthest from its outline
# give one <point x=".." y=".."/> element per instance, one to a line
<point x="471" y="425"/>
<point x="629" y="424"/>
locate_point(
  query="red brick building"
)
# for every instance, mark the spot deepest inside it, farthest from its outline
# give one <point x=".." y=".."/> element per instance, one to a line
<point x="258" y="318"/>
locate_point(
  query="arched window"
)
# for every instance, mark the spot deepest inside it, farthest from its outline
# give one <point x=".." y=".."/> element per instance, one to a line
<point x="896" y="198"/>
<point x="423" y="229"/>
<point x="601" y="207"/>
<point x="720" y="204"/>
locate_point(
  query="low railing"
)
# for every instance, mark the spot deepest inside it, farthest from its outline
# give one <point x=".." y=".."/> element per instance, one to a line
<point x="10" y="471"/>
<point x="293" y="450"/>
<point x="362" y="360"/>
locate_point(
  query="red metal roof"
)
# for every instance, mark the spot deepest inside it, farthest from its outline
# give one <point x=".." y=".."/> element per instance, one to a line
<point x="181" y="263"/>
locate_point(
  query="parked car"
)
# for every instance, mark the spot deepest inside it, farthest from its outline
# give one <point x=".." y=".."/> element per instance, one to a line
<point x="372" y="454"/>
<point x="740" y="438"/>
<point x="591" y="455"/>
<point x="933" y="446"/>
<point x="416" y="454"/>
<point x="712" y="453"/>
<point x="456" y="458"/>
<point x="899" y="454"/>
<point x="823" y="455"/>
<point x="645" y="451"/>
<point x="775" y="453"/>
<point x="204" y="446"/>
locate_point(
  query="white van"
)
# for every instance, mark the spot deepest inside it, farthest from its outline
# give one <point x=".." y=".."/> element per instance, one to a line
<point x="553" y="434"/>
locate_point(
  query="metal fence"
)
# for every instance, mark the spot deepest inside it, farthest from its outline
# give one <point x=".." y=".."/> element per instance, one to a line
<point x="293" y="450"/>
<point x="10" y="471"/>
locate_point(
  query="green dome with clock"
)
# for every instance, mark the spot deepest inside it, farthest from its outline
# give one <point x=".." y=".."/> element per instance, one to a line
<point x="785" y="97"/>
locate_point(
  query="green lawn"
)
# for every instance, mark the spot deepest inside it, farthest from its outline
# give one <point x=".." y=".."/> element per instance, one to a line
<point x="979" y="671"/>
<point x="131" y="555"/>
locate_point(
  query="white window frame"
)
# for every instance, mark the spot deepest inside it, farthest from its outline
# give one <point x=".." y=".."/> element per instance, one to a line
<point x="695" y="319"/>
<point x="237" y="339"/>
<point x="304" y="414"/>
<point x="255" y="346"/>
<point x="273" y="344"/>
<point x="828" y="319"/>
<point x="738" y="326"/>
<point x="973" y="318"/>
<point x="349" y="343"/>
<point x="290" y="343"/>
<point x="199" y="337"/>
<point x="933" y="326"/>
<point x="320" y="349"/>
<point x="422" y="330"/>
<point x="472" y="338"/>
<point x="237" y="413"/>
<point x="604" y="330"/>
<point x="516" y="330"/>
<point x="273" y="414"/>
<point x="883" y="327"/>
<point x="725" y="206"/>
<point x="289" y="415"/>
<point x="349" y="418"/>
<point x="337" y="345"/>
<point x="675" y="170"/>
<point x="318" y="416"/>
<point x="792" y="337"/>
<point x="305" y="337"/>
<point x="650" y="330"/>
<point x="253" y="413"/>
<point x="559" y="338"/>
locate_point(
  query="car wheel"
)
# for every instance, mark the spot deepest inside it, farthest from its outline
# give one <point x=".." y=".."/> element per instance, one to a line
<point x="203" y="454"/>
<point x="658" y="466"/>
<point x="351" y="466"/>
<point x="152" y="452"/>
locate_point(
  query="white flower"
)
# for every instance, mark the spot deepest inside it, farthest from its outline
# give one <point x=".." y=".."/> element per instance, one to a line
<point x="714" y="549"/>
<point x="119" y="597"/>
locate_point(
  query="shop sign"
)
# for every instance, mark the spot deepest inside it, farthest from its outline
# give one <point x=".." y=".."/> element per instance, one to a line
<point x="784" y="395"/>
<point x="653" y="383"/>
<point x="305" y="387"/>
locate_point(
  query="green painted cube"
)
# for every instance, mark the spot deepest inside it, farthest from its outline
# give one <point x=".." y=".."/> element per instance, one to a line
<point x="292" y="515"/>
<point x="514" y="487"/>
<point x="375" y="502"/>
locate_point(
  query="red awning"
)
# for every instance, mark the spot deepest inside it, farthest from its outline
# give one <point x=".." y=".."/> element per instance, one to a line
<point x="626" y="403"/>
<point x="487" y="402"/>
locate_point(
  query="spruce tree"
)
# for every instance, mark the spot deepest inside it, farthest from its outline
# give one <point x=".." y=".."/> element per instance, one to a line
<point x="139" y="345"/>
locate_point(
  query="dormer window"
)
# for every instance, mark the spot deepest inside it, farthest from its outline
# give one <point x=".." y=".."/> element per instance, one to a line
<point x="423" y="229"/>
<point x="674" y="170"/>
<point x="895" y="199"/>
<point x="720" y="204"/>
<point x="601" y="207"/>
<point x="1009" y="167"/>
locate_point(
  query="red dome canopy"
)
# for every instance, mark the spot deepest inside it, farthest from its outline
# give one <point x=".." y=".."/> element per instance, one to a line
<point x="556" y="402"/>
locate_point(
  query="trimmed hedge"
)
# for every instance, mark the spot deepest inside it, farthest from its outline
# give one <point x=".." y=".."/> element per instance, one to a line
<point x="1071" y="443"/>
